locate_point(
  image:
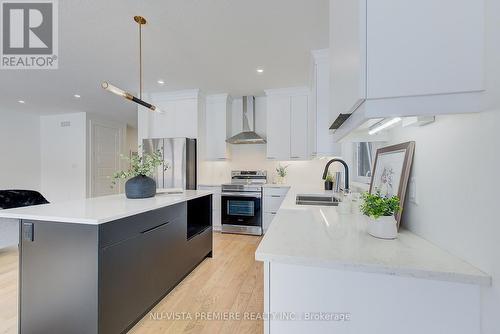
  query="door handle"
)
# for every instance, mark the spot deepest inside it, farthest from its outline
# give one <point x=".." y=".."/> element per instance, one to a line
<point x="154" y="228"/>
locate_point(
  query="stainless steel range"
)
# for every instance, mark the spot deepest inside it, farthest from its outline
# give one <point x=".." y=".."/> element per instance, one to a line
<point x="242" y="203"/>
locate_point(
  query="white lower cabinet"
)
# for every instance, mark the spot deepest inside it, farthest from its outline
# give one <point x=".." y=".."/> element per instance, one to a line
<point x="327" y="300"/>
<point x="273" y="197"/>
<point x="216" y="205"/>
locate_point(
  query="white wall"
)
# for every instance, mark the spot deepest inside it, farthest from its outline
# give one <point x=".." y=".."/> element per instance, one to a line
<point x="455" y="168"/>
<point x="19" y="150"/>
<point x="253" y="157"/>
<point x="19" y="163"/>
<point x="457" y="194"/>
<point x="63" y="156"/>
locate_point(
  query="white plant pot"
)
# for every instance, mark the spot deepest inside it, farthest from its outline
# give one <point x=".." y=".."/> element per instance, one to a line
<point x="383" y="227"/>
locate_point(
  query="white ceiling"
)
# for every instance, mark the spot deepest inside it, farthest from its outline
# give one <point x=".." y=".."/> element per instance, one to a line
<point x="214" y="45"/>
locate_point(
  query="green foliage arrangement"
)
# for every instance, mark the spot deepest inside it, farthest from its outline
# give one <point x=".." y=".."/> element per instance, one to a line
<point x="376" y="205"/>
<point x="329" y="177"/>
<point x="281" y="170"/>
<point x="144" y="165"/>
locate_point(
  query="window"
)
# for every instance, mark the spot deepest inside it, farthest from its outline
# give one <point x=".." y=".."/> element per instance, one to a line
<point x="364" y="157"/>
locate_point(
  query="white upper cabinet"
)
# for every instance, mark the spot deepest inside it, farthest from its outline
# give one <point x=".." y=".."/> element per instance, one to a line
<point x="404" y="58"/>
<point x="298" y="127"/>
<point x="287" y="124"/>
<point x="321" y="137"/>
<point x="278" y="127"/>
<point x="179" y="119"/>
<point x="217" y="123"/>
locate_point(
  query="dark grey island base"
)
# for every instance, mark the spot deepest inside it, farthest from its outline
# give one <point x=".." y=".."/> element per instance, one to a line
<point x="82" y="278"/>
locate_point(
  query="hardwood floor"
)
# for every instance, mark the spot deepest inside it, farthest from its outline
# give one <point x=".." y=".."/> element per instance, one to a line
<point x="223" y="294"/>
<point x="8" y="290"/>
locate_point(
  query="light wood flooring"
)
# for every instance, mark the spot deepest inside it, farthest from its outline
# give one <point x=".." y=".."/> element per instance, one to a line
<point x="228" y="285"/>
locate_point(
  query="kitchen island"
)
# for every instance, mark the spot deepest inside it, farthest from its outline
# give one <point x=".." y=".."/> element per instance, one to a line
<point x="325" y="274"/>
<point x="99" y="265"/>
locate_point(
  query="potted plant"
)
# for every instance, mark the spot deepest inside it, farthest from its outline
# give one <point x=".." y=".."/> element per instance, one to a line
<point x="281" y="171"/>
<point x="380" y="211"/>
<point x="139" y="183"/>
<point x="329" y="181"/>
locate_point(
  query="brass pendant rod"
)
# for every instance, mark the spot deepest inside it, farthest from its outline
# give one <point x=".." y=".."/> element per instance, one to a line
<point x="120" y="92"/>
<point x="140" y="61"/>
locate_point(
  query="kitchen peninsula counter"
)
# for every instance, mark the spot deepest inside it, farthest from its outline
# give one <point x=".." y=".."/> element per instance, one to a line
<point x="318" y="260"/>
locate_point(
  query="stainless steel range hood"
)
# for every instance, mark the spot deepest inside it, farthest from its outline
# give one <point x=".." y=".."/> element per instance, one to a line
<point x="248" y="135"/>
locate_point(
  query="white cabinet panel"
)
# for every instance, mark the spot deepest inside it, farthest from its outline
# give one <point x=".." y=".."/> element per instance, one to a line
<point x="435" y="48"/>
<point x="298" y="127"/>
<point x="268" y="218"/>
<point x="273" y="198"/>
<point x="179" y="119"/>
<point x="321" y="137"/>
<point x="348" y="54"/>
<point x="393" y="58"/>
<point x="272" y="204"/>
<point x="276" y="191"/>
<point x="287" y="124"/>
<point x="216" y="122"/>
<point x="375" y="303"/>
<point x="278" y="127"/>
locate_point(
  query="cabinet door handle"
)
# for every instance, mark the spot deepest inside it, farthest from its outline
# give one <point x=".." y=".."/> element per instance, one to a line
<point x="154" y="228"/>
<point x="273" y="213"/>
<point x="272" y="158"/>
<point x="275" y="196"/>
<point x="295" y="157"/>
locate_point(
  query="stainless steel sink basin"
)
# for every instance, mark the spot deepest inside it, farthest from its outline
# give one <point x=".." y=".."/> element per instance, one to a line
<point x="311" y="199"/>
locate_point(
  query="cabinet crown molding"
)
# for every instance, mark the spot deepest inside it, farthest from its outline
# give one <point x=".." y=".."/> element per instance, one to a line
<point x="214" y="98"/>
<point x="288" y="91"/>
<point x="175" y="95"/>
<point x="322" y="55"/>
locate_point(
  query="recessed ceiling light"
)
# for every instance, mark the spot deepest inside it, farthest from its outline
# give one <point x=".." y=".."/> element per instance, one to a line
<point x="260" y="70"/>
<point x="77" y="96"/>
<point x="161" y="82"/>
<point x="22" y="101"/>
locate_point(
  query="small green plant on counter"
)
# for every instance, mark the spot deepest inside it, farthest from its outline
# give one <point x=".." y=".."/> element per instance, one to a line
<point x="144" y="165"/>
<point x="281" y="170"/>
<point x="329" y="177"/>
<point x="376" y="205"/>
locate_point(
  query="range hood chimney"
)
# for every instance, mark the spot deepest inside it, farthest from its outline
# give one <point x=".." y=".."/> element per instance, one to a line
<point x="248" y="135"/>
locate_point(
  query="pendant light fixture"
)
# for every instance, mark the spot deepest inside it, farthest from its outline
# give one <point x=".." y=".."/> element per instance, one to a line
<point x="115" y="90"/>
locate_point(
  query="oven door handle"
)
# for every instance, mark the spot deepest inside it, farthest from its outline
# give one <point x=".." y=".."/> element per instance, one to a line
<point x="242" y="195"/>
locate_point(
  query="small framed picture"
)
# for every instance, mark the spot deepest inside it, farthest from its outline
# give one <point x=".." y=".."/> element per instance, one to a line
<point x="391" y="172"/>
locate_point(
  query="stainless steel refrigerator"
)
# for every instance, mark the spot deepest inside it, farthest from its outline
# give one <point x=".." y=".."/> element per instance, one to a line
<point x="180" y="156"/>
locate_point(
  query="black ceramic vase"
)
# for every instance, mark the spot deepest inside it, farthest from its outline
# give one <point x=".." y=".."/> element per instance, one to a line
<point x="328" y="185"/>
<point x="140" y="187"/>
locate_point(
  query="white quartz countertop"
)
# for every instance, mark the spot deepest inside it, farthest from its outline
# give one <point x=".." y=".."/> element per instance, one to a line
<point x="321" y="236"/>
<point x="98" y="210"/>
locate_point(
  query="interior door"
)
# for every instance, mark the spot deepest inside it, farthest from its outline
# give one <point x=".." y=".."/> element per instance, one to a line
<point x="106" y="148"/>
